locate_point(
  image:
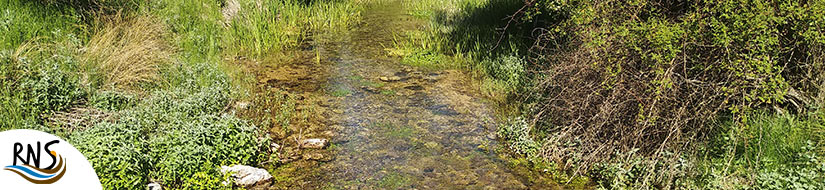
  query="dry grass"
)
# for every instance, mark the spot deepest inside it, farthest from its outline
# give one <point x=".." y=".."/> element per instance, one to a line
<point x="126" y="52"/>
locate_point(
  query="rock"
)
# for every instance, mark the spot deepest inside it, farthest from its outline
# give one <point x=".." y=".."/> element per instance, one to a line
<point x="390" y="79"/>
<point x="328" y="133"/>
<point x="492" y="136"/>
<point x="370" y="89"/>
<point x="154" y="186"/>
<point x="414" y="87"/>
<point x="243" y="105"/>
<point x="275" y="147"/>
<point x="313" y="156"/>
<point x="314" y="143"/>
<point x="244" y="175"/>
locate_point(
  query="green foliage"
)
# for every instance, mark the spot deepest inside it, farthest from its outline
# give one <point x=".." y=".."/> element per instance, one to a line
<point x="643" y="79"/>
<point x="209" y="140"/>
<point x="807" y="173"/>
<point x="261" y="28"/>
<point x="770" y="152"/>
<point x="36" y="58"/>
<point x="50" y="89"/>
<point x="118" y="153"/>
<point x="177" y="136"/>
<point x="506" y="74"/>
<point x="111" y="100"/>
<point x="517" y="134"/>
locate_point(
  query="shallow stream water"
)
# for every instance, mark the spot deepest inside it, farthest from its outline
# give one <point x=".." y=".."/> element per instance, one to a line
<point x="416" y="129"/>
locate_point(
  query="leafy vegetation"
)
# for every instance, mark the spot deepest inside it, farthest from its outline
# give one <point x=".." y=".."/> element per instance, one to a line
<point x="150" y="81"/>
<point x="634" y="93"/>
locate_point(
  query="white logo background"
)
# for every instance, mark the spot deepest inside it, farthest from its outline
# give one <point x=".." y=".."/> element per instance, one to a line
<point x="79" y="173"/>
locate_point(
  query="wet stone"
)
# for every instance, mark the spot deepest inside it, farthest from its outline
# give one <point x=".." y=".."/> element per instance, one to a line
<point x="399" y="111"/>
<point x="244" y="175"/>
<point x="314" y="143"/>
<point x="313" y="156"/>
<point x="442" y="109"/>
<point x="414" y="87"/>
<point x="390" y="79"/>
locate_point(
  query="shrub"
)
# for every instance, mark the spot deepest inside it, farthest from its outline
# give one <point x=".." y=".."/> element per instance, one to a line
<point x="517" y="134"/>
<point x="182" y="134"/>
<point x="118" y="153"/>
<point x="48" y="84"/>
<point x="181" y="151"/>
<point x="651" y="75"/>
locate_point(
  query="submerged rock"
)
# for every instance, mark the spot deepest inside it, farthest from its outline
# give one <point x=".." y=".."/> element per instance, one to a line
<point x="314" y="143"/>
<point x="390" y="79"/>
<point x="244" y="175"/>
<point x="243" y="105"/>
<point x="313" y="156"/>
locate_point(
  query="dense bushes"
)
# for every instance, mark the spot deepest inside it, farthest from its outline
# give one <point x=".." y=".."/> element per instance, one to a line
<point x="173" y="135"/>
<point x="175" y="132"/>
<point x="629" y="90"/>
<point x="650" y="77"/>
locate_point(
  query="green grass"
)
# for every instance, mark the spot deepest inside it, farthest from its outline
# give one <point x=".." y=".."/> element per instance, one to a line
<point x="22" y="21"/>
<point x="277" y="25"/>
<point x="175" y="131"/>
<point x="394" y="180"/>
<point x="460" y="34"/>
<point x="771" y="152"/>
<point x="340" y="92"/>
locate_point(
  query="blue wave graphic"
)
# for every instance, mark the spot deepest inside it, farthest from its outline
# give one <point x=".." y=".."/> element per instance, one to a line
<point x="30" y="172"/>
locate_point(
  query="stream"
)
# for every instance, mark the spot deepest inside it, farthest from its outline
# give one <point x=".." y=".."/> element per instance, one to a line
<point x="393" y="126"/>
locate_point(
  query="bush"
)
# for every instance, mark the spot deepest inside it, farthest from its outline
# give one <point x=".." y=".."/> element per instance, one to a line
<point x="652" y="75"/>
<point x="183" y="151"/>
<point x="517" y="134"/>
<point x="506" y="74"/>
<point x="50" y="86"/>
<point x="181" y="134"/>
<point x="118" y="153"/>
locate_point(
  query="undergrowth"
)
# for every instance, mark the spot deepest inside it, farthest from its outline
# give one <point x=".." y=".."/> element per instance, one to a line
<point x="632" y="92"/>
<point x="153" y="83"/>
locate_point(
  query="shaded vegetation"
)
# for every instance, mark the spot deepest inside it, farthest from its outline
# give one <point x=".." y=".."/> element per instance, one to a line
<point x="632" y="93"/>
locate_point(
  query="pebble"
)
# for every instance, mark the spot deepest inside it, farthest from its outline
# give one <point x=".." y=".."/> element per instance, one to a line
<point x="314" y="143"/>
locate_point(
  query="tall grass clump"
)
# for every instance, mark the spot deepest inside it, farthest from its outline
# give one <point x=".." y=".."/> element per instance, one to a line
<point x="40" y="79"/>
<point x="195" y="26"/>
<point x="259" y="28"/>
<point x="22" y="21"/>
<point x="127" y="52"/>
